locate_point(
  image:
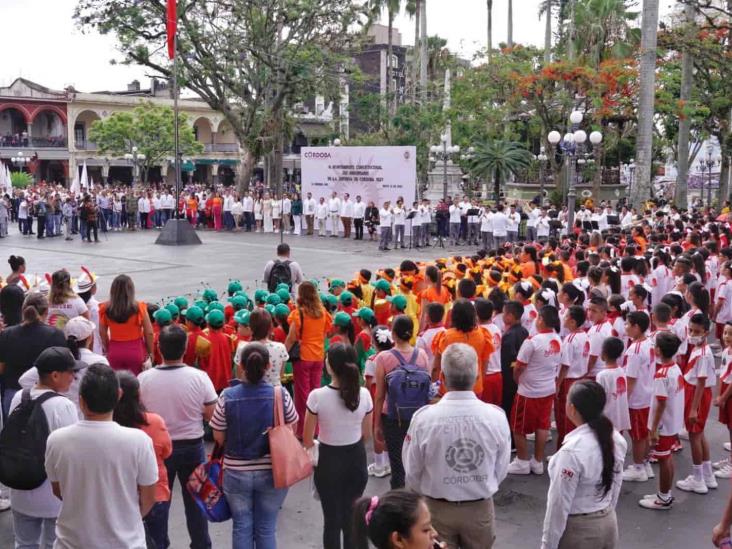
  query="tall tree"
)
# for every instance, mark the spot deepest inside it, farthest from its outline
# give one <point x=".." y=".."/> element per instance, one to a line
<point x="423" y="52"/>
<point x="646" y="95"/>
<point x="413" y="8"/>
<point x="509" y="37"/>
<point x="489" y="29"/>
<point x="497" y="159"/>
<point x="546" y="7"/>
<point x="231" y="54"/>
<point x="687" y="69"/>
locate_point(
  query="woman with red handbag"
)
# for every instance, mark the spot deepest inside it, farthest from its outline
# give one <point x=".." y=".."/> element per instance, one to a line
<point x="241" y="422"/>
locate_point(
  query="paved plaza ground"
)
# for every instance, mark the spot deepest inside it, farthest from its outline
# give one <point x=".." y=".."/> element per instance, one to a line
<point x="162" y="272"/>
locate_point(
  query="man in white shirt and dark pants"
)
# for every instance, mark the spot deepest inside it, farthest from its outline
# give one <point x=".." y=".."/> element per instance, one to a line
<point x="347" y="215"/>
<point x="184" y="397"/>
<point x="456" y="454"/>
<point x="308" y="210"/>
<point x="359" y="210"/>
<point x="334" y="213"/>
<point x="248" y="204"/>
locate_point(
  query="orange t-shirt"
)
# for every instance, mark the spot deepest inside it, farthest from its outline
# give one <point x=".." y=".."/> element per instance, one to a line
<point x="528" y="269"/>
<point x="479" y="339"/>
<point x="430" y="295"/>
<point x="125" y="331"/>
<point x="163" y="446"/>
<point x="313" y="334"/>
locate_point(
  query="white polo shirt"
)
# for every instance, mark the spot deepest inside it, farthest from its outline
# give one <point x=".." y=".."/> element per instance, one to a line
<point x="701" y="365"/>
<point x="575" y="353"/>
<point x="541" y="355"/>
<point x="667" y="386"/>
<point x="640" y="364"/>
<point x="597" y="334"/>
<point x="614" y="382"/>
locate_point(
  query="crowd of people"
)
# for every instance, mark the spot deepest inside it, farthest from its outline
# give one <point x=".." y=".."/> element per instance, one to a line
<point x="604" y="339"/>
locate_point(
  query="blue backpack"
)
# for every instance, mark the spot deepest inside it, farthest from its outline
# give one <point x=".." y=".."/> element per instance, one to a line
<point x="407" y="388"/>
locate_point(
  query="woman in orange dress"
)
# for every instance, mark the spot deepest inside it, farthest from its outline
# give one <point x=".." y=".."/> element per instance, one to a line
<point x="217" y="207"/>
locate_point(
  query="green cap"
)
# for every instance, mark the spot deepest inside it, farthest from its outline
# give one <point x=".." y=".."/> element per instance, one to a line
<point x="282" y="286"/>
<point x="238" y="302"/>
<point x="341" y="319"/>
<point x="346" y="297"/>
<point x="242" y="317"/>
<point x="364" y="313"/>
<point x="163" y="317"/>
<point x="269" y="308"/>
<point x="215" y="306"/>
<point x="281" y="310"/>
<point x="209" y="294"/>
<point x="398" y="301"/>
<point x="174" y="310"/>
<point x="273" y="299"/>
<point x="194" y="314"/>
<point x="260" y="296"/>
<point x="181" y="302"/>
<point x="215" y="318"/>
<point x="332" y="300"/>
<point x="233" y="287"/>
<point x="200" y="303"/>
<point x="324" y="298"/>
<point x="337" y="283"/>
<point x="382" y="285"/>
<point x="314" y="282"/>
<point x="284" y="294"/>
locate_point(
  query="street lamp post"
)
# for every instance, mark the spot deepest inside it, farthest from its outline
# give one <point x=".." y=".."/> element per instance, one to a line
<point x="443" y="153"/>
<point x="571" y="144"/>
<point x="135" y="157"/>
<point x="707" y="164"/>
<point x="542" y="158"/>
<point x="20" y="160"/>
<point x="467" y="157"/>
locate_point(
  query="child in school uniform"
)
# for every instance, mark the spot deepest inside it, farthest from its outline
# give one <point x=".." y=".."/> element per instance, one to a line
<point x="723" y="400"/>
<point x="492" y="378"/>
<point x="573" y="366"/>
<point x="613" y="380"/>
<point x="382" y="341"/>
<point x="699" y="379"/>
<point x="435" y="325"/>
<point x="639" y="362"/>
<point x="666" y="418"/>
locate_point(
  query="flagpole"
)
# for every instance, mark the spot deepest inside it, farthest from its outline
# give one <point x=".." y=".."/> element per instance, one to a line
<point x="175" y="114"/>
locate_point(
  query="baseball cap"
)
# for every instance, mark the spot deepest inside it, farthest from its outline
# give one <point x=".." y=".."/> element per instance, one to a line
<point x="398" y="301"/>
<point x="281" y="310"/>
<point x="173" y="310"/>
<point x="382" y="285"/>
<point x="273" y="299"/>
<point x="337" y="283"/>
<point x="346" y="297"/>
<point x="282" y="286"/>
<point x="365" y="313"/>
<point x="284" y="294"/>
<point x="194" y="314"/>
<point x="215" y="318"/>
<point x="341" y="319"/>
<point x="239" y="302"/>
<point x="57" y="359"/>
<point x="209" y="294"/>
<point x="233" y="287"/>
<point x="242" y="317"/>
<point x="260" y="296"/>
<point x="215" y="306"/>
<point x="270" y="309"/>
<point x="163" y="317"/>
<point x="181" y="302"/>
<point x="79" y="328"/>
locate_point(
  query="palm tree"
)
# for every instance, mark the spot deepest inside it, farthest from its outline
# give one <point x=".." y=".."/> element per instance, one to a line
<point x="413" y="9"/>
<point x="509" y="39"/>
<point x="423" y="52"/>
<point x="392" y="10"/>
<point x="605" y="30"/>
<point x="489" y="28"/>
<point x="687" y="69"/>
<point x="545" y="8"/>
<point x="497" y="159"/>
<point x="644" y="143"/>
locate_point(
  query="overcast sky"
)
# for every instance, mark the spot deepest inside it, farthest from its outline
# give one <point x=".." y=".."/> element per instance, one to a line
<point x="42" y="44"/>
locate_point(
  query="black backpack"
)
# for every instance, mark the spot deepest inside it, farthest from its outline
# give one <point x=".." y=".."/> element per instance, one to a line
<point x="279" y="273"/>
<point x="23" y="444"/>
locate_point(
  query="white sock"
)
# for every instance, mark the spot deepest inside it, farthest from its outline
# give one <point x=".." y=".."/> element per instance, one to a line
<point x="381" y="460"/>
<point x="666" y="496"/>
<point x="697" y="471"/>
<point x="707" y="468"/>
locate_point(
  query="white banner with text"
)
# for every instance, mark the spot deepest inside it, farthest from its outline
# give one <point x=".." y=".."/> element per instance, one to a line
<point x="376" y="174"/>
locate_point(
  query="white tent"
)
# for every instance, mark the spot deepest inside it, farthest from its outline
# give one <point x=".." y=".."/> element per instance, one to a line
<point x="75" y="188"/>
<point x="84" y="182"/>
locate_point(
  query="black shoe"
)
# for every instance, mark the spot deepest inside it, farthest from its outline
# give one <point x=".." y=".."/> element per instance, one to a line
<point x="386" y="249"/>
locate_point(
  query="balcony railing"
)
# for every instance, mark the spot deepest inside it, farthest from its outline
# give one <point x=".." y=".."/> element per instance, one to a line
<point x="84" y="145"/>
<point x="13" y="142"/>
<point x="221" y="147"/>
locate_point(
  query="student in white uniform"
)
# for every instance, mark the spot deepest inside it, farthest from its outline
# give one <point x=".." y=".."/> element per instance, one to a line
<point x="584" y="476"/>
<point x="613" y="381"/>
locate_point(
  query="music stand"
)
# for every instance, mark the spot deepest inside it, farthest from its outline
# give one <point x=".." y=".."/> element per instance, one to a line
<point x="410" y="216"/>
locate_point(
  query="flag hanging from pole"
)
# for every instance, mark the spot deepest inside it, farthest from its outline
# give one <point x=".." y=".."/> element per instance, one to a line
<point x="171" y="27"/>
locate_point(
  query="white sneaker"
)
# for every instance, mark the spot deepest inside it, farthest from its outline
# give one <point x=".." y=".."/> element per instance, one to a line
<point x="727" y="446"/>
<point x="649" y="470"/>
<point x="724" y="471"/>
<point x="684" y="434"/>
<point x="379" y="472"/>
<point x="519" y="467"/>
<point x="711" y="481"/>
<point x="656" y="503"/>
<point x="690" y="484"/>
<point x="721" y="464"/>
<point x="537" y="467"/>
<point x="4" y="504"/>
<point x="635" y="474"/>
